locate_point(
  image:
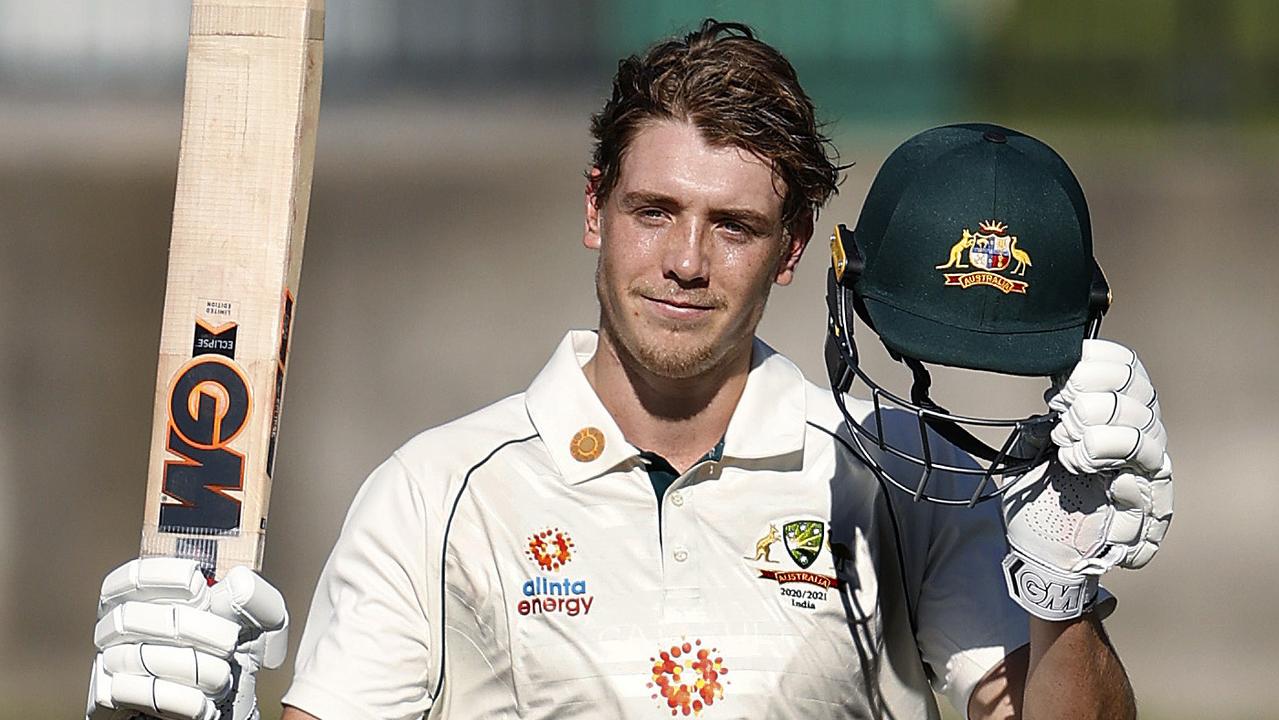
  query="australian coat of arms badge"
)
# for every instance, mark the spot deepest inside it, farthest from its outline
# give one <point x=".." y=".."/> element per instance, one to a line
<point x="991" y="256"/>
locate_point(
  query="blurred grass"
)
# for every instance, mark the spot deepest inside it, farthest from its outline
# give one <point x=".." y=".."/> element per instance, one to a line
<point x="1142" y="61"/>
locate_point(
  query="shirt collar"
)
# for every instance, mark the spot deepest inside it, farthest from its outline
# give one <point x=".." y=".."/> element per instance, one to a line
<point x="770" y="416"/>
<point x="568" y="415"/>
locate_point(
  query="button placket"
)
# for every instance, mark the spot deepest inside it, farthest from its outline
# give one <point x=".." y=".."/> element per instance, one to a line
<point x="679" y="525"/>
<point x="682" y="576"/>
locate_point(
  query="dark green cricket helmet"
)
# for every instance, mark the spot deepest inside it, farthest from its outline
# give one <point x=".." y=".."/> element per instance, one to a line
<point x="973" y="250"/>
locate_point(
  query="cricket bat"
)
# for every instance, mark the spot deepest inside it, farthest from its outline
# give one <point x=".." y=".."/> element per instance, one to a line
<point x="239" y="218"/>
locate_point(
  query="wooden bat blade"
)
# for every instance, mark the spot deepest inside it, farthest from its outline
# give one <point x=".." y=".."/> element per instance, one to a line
<point x="239" y="219"/>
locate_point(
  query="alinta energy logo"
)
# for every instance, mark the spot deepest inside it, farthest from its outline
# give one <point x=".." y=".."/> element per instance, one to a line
<point x="550" y="550"/>
<point x="687" y="678"/>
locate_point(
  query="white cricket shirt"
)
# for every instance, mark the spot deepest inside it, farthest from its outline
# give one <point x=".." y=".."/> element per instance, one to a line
<point x="513" y="563"/>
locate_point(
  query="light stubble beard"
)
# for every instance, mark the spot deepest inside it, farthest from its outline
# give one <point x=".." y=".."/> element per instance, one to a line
<point x="676" y="362"/>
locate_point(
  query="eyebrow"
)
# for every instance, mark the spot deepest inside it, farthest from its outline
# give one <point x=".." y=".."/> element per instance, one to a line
<point x="745" y="216"/>
<point x="640" y="198"/>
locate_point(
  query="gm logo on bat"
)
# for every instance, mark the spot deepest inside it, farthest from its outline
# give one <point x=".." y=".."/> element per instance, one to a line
<point x="209" y="404"/>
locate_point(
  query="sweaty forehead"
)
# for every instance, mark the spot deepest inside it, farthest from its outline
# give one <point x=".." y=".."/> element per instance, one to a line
<point x="673" y="158"/>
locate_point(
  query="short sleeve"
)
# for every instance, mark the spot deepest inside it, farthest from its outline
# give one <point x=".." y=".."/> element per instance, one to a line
<point x="366" y="651"/>
<point x="966" y="622"/>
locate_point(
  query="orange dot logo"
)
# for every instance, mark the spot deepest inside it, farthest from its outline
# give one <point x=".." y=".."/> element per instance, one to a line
<point x="551" y="549"/>
<point x="688" y="678"/>
<point x="587" y="444"/>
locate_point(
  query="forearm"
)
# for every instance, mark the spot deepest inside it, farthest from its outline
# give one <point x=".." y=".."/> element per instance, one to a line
<point x="1075" y="673"/>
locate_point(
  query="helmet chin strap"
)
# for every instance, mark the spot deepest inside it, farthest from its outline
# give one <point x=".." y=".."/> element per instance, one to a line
<point x="952" y="432"/>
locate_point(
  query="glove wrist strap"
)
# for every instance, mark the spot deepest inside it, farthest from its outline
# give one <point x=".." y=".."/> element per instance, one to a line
<point x="1048" y="593"/>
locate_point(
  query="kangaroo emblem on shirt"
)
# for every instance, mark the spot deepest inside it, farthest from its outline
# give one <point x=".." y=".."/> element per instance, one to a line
<point x="764" y="544"/>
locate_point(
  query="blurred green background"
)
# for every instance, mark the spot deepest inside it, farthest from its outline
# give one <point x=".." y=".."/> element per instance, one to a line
<point x="444" y="263"/>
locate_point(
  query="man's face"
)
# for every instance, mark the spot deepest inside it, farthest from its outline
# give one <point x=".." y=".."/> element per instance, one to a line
<point x="691" y="241"/>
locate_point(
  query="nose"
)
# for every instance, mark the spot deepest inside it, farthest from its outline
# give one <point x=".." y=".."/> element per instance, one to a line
<point x="686" y="259"/>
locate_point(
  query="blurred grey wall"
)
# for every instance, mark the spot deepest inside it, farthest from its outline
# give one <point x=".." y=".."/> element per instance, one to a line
<point x="443" y="263"/>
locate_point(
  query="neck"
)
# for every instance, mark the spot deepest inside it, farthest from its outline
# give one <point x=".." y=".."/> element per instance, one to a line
<point x="680" y="419"/>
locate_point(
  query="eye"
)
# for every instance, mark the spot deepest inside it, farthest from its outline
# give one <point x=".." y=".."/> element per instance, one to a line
<point x="738" y="231"/>
<point x="651" y="214"/>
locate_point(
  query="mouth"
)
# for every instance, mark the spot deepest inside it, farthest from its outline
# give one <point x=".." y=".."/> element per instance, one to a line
<point x="676" y="308"/>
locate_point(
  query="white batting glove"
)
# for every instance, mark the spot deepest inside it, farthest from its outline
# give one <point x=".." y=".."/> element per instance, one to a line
<point x="173" y="647"/>
<point x="1105" y="500"/>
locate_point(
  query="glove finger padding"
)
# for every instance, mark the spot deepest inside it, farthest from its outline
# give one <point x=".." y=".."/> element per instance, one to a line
<point x="1102" y="350"/>
<point x="1100" y="376"/>
<point x="210" y="675"/>
<point x="1143" y="512"/>
<point x="1098" y="350"/>
<point x="246" y="598"/>
<point x="270" y="647"/>
<point x="1106" y="408"/>
<point x="157" y="579"/>
<point x="1105" y="366"/>
<point x="173" y="625"/>
<point x="1110" y="447"/>
<point x="109" y="695"/>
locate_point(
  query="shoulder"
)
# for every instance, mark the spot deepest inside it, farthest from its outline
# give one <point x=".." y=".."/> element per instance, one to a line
<point x="433" y="465"/>
<point x="899" y="426"/>
<point x="823" y="414"/>
<point x="479" y="432"/>
<point x="821" y="409"/>
<point x="456" y="447"/>
<point x="888" y="438"/>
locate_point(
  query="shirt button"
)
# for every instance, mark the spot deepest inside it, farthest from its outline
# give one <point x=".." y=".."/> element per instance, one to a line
<point x="677" y="499"/>
<point x="681" y="555"/>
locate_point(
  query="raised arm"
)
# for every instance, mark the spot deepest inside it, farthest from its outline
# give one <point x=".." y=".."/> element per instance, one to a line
<point x="1069" y="669"/>
<point x="1105" y="500"/>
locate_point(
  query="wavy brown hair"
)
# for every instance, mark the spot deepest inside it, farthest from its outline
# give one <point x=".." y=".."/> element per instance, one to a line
<point x="738" y="91"/>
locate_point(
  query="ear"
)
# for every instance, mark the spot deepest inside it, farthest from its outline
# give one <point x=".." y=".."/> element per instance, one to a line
<point x="797" y="237"/>
<point x="591" y="231"/>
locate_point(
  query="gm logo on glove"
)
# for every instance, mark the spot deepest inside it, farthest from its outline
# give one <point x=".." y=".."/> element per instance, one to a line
<point x="1046" y="594"/>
